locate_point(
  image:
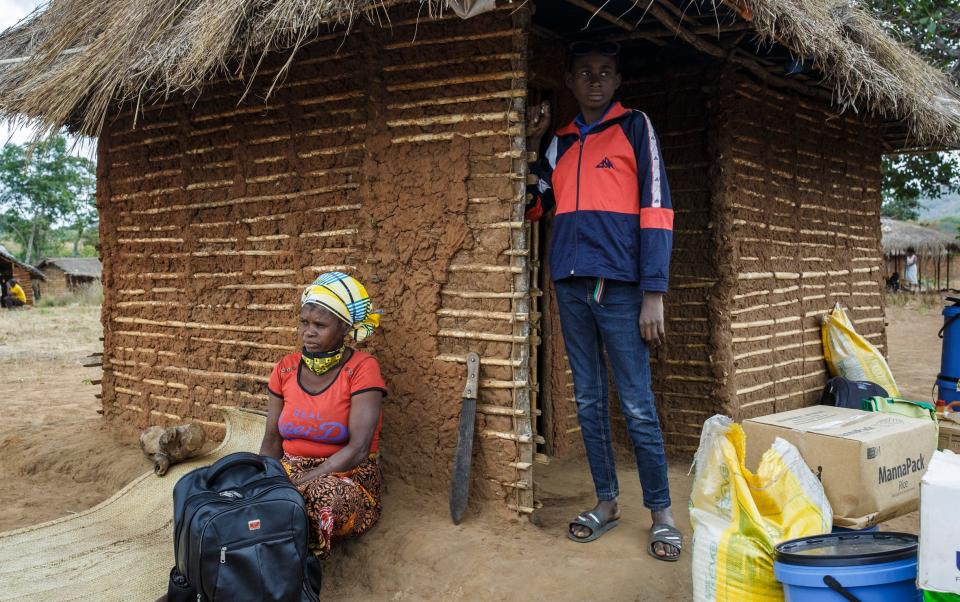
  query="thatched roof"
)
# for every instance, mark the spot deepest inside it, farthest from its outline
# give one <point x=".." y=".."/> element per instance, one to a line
<point x="74" y="61"/>
<point x="899" y="236"/>
<point x="8" y="256"/>
<point x="83" y="267"/>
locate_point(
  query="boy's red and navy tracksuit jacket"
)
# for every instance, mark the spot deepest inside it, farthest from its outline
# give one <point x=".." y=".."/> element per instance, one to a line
<point x="614" y="218"/>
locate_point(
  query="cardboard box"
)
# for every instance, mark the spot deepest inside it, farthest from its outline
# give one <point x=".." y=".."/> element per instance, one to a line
<point x="950" y="436"/>
<point x="870" y="463"/>
<point x="939" y="556"/>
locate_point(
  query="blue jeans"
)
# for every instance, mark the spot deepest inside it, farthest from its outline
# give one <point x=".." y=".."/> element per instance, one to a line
<point x="588" y="327"/>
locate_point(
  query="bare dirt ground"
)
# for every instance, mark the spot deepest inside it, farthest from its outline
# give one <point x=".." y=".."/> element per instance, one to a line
<point x="59" y="457"/>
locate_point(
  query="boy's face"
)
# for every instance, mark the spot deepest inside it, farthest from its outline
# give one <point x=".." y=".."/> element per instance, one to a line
<point x="593" y="79"/>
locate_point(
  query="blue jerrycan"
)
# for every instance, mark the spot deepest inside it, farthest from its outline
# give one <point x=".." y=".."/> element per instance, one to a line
<point x="948" y="389"/>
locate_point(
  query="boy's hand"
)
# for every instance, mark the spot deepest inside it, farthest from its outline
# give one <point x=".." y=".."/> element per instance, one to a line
<point x="538" y="120"/>
<point x="651" y="319"/>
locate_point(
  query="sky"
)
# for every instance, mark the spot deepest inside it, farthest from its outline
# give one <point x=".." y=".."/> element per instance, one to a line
<point x="12" y="11"/>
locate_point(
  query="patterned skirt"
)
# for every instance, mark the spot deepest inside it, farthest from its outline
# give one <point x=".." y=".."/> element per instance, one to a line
<point x="339" y="505"/>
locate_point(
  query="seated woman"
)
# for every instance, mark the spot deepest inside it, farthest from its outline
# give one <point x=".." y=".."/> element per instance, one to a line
<point x="323" y="415"/>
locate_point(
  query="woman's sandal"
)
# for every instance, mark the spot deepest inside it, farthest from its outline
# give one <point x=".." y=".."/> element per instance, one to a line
<point x="590" y="521"/>
<point x="667" y="535"/>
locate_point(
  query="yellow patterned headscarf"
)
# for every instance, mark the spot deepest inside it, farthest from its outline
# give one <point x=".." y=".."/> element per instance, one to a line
<point x="347" y="299"/>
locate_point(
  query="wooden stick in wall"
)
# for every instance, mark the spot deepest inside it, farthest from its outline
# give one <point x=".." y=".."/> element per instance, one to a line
<point x="481" y="336"/>
<point x="490" y="434"/>
<point x="455" y="119"/>
<point x="470" y="313"/>
<point x="460" y="359"/>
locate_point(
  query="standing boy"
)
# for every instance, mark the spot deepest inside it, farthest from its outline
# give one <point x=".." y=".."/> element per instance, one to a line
<point x="610" y="259"/>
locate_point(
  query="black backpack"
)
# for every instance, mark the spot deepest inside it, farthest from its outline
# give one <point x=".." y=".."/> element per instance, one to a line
<point x="240" y="533"/>
<point x="845" y="393"/>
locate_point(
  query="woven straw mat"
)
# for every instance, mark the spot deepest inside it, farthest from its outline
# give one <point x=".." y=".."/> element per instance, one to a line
<point x="121" y="549"/>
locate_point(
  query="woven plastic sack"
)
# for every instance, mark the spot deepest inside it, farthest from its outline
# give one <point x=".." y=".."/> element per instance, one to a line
<point x="739" y="517"/>
<point x="851" y="356"/>
<point x="904" y="407"/>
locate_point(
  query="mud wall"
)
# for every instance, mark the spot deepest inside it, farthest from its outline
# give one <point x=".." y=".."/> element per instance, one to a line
<point x="687" y="374"/>
<point x="397" y="161"/>
<point x="56" y="282"/>
<point x="801" y="192"/>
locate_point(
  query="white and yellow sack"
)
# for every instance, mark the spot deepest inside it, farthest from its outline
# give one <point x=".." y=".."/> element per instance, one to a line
<point x="739" y="517"/>
<point x="851" y="356"/>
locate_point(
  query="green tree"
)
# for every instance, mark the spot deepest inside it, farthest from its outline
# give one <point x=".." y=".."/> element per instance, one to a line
<point x="932" y="28"/>
<point x="84" y="220"/>
<point x="44" y="189"/>
<point x="909" y="178"/>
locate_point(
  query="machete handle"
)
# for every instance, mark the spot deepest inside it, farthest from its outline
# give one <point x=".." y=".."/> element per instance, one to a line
<point x="473" y="376"/>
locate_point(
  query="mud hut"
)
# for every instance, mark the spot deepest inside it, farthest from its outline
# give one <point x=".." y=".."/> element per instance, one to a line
<point x="935" y="251"/>
<point x="242" y="150"/>
<point x="26" y="275"/>
<point x="69" y="274"/>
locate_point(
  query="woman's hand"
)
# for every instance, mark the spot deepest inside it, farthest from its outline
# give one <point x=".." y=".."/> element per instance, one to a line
<point x="651" y="319"/>
<point x="306" y="476"/>
<point x="538" y="120"/>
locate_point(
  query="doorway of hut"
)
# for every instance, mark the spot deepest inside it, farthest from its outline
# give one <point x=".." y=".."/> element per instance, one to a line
<point x="671" y="82"/>
<point x="6" y="273"/>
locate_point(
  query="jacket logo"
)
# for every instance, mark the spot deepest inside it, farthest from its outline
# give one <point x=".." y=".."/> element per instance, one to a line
<point x="605" y="164"/>
<point x="253" y="525"/>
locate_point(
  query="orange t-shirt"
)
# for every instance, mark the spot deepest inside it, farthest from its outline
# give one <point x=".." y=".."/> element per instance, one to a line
<point x="316" y="424"/>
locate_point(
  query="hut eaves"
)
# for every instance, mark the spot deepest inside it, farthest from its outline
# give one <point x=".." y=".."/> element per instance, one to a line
<point x="899" y="236"/>
<point x="8" y="256"/>
<point x="73" y="61"/>
<point x="83" y="267"/>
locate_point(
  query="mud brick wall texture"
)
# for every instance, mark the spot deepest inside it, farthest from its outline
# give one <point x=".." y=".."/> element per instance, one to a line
<point x="56" y="283"/>
<point x="685" y="380"/>
<point x="399" y="162"/>
<point x="801" y="200"/>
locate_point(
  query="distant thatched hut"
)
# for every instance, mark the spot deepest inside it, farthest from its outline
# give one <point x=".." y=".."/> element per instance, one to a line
<point x="26" y="275"/>
<point x="936" y="251"/>
<point x="397" y="153"/>
<point x="69" y="274"/>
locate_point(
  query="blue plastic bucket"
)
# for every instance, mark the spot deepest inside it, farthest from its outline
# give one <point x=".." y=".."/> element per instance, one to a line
<point x="868" y="567"/>
<point x="950" y="354"/>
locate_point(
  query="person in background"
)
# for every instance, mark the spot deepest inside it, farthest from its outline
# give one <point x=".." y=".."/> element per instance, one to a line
<point x="910" y="273"/>
<point x="610" y="258"/>
<point x="15" y="295"/>
<point x="323" y="414"/>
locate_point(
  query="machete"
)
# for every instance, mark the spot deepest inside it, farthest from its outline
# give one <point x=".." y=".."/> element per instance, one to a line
<point x="460" y="486"/>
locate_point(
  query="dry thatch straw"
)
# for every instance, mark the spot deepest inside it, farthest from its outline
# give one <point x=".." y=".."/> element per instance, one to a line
<point x="75" y="60"/>
<point x="899" y="236"/>
<point x="867" y="67"/>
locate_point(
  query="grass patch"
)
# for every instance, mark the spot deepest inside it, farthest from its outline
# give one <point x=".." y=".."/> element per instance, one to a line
<point x="921" y="302"/>
<point x="91" y="294"/>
